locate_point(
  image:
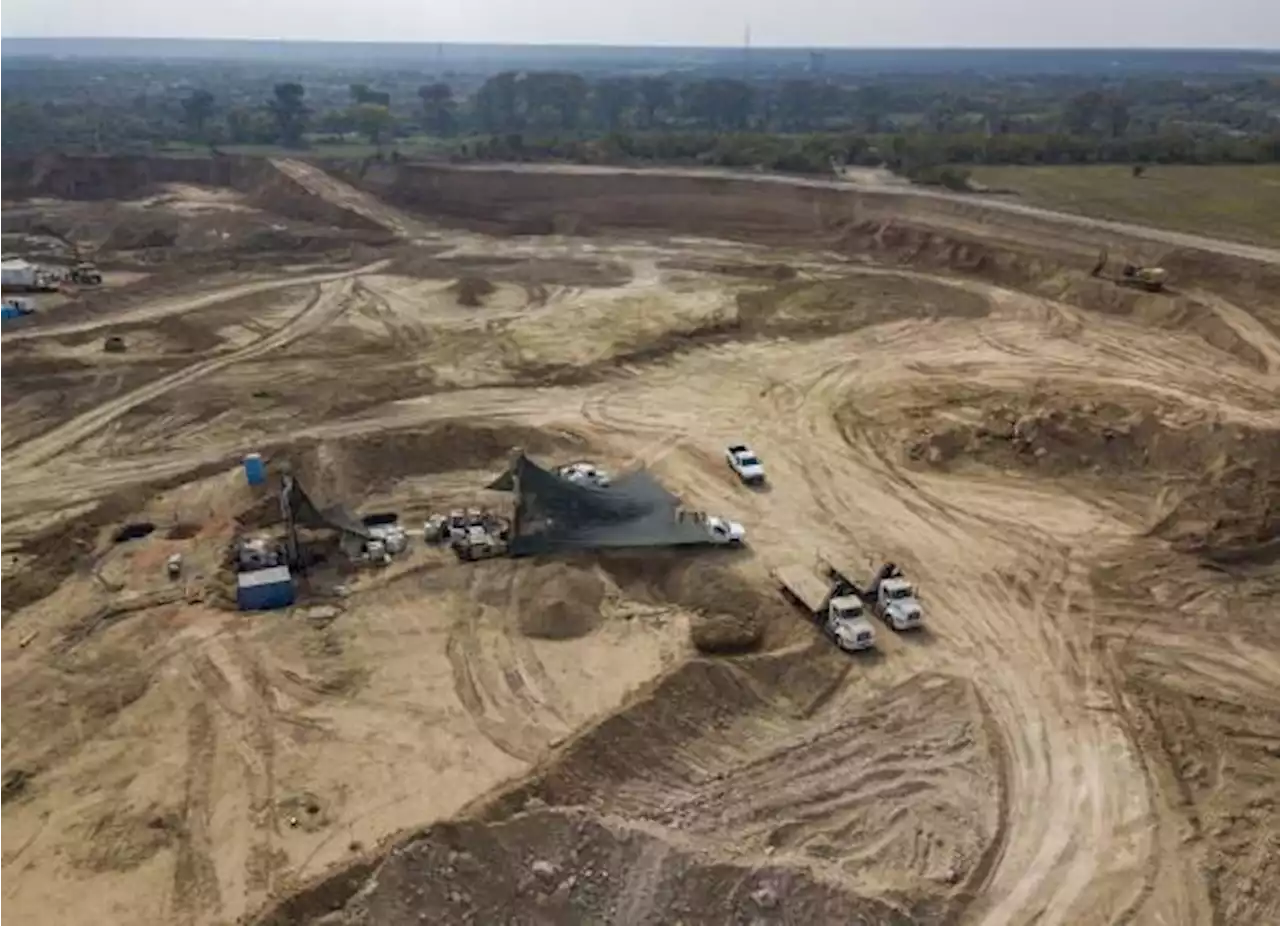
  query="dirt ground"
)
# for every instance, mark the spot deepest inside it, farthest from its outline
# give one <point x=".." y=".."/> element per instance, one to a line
<point x="1083" y="481"/>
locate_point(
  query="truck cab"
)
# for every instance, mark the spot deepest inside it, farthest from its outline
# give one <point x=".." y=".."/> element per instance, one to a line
<point x="722" y="530"/>
<point x="847" y="624"/>
<point x="897" y="604"/>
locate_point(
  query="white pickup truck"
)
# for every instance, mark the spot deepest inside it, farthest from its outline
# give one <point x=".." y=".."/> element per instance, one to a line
<point x="720" y="530"/>
<point x="836" y="607"/>
<point x="584" y="472"/>
<point x="743" y="461"/>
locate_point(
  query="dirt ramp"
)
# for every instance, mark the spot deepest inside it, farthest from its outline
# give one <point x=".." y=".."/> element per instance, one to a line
<point x="553" y="867"/>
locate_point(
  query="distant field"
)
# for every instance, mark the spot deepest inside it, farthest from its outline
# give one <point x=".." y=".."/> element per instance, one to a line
<point x="415" y="146"/>
<point x="1226" y="201"/>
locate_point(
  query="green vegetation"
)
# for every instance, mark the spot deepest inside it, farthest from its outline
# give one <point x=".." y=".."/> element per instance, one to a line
<point x="931" y="127"/>
<point x="1229" y="201"/>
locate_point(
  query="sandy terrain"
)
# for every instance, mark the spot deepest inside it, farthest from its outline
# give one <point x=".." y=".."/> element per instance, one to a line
<point x="1083" y="480"/>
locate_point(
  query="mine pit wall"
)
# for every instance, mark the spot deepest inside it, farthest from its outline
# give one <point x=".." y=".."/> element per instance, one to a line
<point x="969" y="236"/>
<point x="768" y="209"/>
<point x="120" y="177"/>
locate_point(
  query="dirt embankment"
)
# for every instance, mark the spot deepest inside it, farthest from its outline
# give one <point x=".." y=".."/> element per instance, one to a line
<point x="130" y="177"/>
<point x="1216" y="484"/>
<point x="698" y="801"/>
<point x="1022" y="252"/>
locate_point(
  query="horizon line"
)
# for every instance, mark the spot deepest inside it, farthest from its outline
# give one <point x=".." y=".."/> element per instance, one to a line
<point x="661" y="45"/>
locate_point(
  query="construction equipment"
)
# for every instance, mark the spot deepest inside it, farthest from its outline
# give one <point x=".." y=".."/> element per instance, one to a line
<point x="835" y="606"/>
<point x="1151" y="279"/>
<point x="889" y="595"/>
<point x="86" y="274"/>
<point x="478" y="542"/>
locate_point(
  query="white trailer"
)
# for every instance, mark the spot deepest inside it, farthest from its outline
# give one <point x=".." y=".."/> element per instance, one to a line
<point x="18" y="274"/>
<point x="835" y="607"/>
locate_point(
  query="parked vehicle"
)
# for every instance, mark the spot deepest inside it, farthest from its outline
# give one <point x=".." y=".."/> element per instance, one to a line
<point x="889" y="595"/>
<point x="835" y="606"/>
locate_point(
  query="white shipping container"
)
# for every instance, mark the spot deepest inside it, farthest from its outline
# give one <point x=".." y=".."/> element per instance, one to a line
<point x="17" y="274"/>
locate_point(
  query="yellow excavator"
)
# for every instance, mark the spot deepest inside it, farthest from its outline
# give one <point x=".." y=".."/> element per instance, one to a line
<point x="1152" y="279"/>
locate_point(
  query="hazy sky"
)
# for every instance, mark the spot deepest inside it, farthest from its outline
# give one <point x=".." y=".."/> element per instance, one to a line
<point x="1126" y="23"/>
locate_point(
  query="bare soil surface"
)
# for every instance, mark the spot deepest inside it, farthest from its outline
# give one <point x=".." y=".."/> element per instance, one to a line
<point x="1081" y="479"/>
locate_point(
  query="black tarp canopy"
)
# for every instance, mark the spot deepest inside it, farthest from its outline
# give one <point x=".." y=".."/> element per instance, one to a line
<point x="553" y="513"/>
<point x="301" y="510"/>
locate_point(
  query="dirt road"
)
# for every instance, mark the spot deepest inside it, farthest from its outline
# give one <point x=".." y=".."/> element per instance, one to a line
<point x="329" y="302"/>
<point x="159" y="308"/>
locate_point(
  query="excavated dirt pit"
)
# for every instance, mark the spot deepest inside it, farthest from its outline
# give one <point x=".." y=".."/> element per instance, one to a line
<point x="1079" y="478"/>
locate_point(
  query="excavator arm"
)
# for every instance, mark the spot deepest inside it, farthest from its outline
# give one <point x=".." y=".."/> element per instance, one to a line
<point x="1100" y="265"/>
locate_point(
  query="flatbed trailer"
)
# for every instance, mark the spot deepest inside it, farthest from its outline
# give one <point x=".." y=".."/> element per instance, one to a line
<point x="833" y="606"/>
<point x="883" y="595"/>
<point x="804" y="587"/>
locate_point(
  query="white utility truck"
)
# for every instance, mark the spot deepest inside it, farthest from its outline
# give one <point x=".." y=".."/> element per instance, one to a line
<point x="835" y="606"/>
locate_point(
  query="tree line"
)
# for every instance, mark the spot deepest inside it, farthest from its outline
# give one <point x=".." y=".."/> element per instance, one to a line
<point x="797" y="124"/>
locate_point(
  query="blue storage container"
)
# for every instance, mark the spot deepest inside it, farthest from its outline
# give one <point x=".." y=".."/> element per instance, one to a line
<point x="254" y="471"/>
<point x="264" y="589"/>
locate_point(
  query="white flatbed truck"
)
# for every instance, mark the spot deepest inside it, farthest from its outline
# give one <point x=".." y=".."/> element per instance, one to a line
<point x="889" y="594"/>
<point x="835" y="607"/>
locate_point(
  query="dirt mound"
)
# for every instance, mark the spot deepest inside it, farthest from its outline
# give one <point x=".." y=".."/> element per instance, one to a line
<point x="352" y="467"/>
<point x="154" y="232"/>
<point x="1231" y="513"/>
<point x="571" y="867"/>
<point x="731" y="615"/>
<point x="558" y="601"/>
<point x="821" y="308"/>
<point x="1056" y="430"/>
<point x="634" y="816"/>
<point x="471" y="290"/>
<point x="1218" y="482"/>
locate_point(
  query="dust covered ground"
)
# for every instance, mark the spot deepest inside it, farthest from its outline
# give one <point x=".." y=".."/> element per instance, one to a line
<point x="1082" y="479"/>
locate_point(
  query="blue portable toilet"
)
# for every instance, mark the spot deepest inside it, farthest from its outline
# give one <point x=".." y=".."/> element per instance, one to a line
<point x="264" y="589"/>
<point x="254" y="471"/>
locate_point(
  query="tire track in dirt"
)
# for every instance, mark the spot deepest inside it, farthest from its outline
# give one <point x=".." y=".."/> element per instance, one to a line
<point x="328" y="304"/>
<point x="502" y="684"/>
<point x="182" y="304"/>
<point x="195" y="879"/>
<point x="1071" y="787"/>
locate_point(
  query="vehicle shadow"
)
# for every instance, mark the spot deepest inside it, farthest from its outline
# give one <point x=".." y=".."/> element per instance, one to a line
<point x="920" y="637"/>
